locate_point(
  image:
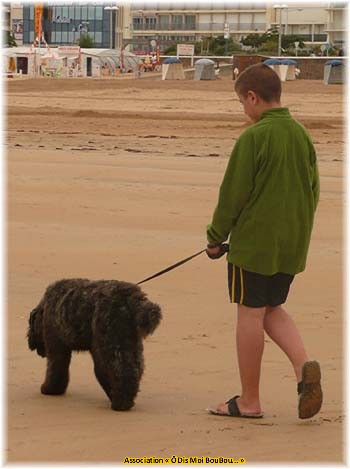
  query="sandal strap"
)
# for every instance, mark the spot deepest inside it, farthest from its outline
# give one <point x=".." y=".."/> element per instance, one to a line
<point x="233" y="407"/>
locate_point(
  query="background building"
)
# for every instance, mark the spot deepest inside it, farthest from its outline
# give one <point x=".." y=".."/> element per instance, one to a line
<point x="336" y="22"/>
<point x="183" y="21"/>
<point x="5" y="20"/>
<point x="140" y="23"/>
<point x="64" y="24"/>
<point x="186" y="22"/>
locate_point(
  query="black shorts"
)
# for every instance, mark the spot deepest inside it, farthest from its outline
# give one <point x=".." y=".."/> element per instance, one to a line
<point x="256" y="290"/>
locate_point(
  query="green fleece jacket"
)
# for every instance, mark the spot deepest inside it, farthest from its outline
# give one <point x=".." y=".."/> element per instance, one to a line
<point x="268" y="196"/>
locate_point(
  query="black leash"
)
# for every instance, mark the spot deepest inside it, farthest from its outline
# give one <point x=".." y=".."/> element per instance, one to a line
<point x="224" y="249"/>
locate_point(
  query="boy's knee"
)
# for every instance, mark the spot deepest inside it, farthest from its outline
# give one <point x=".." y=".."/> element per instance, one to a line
<point x="272" y="309"/>
<point x="250" y="312"/>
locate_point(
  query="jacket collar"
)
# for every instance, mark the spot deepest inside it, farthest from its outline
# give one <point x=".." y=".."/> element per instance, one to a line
<point x="275" y="112"/>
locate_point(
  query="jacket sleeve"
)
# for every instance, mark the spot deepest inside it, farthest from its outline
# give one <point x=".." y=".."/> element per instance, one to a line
<point x="235" y="189"/>
<point x="315" y="178"/>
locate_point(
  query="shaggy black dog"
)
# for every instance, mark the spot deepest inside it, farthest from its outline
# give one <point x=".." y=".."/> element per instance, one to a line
<point x="107" y="317"/>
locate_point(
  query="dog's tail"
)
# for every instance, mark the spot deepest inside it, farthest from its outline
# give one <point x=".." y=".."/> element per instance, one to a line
<point x="148" y="317"/>
<point x="34" y="334"/>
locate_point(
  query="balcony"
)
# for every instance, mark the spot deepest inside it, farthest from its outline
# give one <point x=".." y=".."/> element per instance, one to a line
<point x="217" y="28"/>
<point x="335" y="27"/>
<point x="312" y="38"/>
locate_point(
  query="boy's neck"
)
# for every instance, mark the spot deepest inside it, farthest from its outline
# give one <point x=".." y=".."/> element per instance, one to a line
<point x="265" y="106"/>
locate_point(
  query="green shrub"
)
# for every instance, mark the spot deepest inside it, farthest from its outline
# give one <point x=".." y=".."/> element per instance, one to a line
<point x="86" y="41"/>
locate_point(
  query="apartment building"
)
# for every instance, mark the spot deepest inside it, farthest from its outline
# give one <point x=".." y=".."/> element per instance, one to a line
<point x="337" y="22"/>
<point x="190" y="21"/>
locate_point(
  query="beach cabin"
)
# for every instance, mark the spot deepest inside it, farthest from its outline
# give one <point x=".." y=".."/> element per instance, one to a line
<point x="334" y="72"/>
<point x="288" y="69"/>
<point x="275" y="65"/>
<point x="172" y="69"/>
<point x="204" y="69"/>
<point x="20" y="60"/>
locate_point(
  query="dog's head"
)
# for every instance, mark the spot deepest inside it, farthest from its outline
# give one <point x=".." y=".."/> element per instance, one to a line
<point x="146" y="313"/>
<point x="148" y="316"/>
<point x="35" y="334"/>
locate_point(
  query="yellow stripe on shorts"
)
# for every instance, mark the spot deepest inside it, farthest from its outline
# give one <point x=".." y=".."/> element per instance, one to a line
<point x="242" y="286"/>
<point x="233" y="284"/>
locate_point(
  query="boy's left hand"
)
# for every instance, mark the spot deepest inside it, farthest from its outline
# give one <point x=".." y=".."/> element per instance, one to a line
<point x="217" y="251"/>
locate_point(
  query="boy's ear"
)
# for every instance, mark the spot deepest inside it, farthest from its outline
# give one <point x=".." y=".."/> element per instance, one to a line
<point x="253" y="96"/>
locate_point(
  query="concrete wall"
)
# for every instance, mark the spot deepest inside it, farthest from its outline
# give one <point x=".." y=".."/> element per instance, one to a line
<point x="310" y="68"/>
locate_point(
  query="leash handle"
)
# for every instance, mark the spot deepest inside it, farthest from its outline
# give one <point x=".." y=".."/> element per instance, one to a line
<point x="224" y="249"/>
<point x="172" y="267"/>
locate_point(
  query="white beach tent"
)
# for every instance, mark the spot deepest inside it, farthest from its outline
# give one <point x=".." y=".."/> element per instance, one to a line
<point x="287" y="68"/>
<point x="275" y="64"/>
<point x="172" y="69"/>
<point x="204" y="69"/>
<point x="94" y="59"/>
<point x="334" y="72"/>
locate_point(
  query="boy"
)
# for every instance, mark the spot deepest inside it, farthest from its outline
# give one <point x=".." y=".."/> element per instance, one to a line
<point x="266" y="204"/>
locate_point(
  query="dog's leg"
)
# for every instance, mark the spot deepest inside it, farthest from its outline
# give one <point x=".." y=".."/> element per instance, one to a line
<point x="57" y="371"/>
<point x="101" y="373"/>
<point x="125" y="380"/>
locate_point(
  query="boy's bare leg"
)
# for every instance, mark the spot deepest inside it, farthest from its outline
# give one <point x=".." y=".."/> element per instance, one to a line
<point x="282" y="330"/>
<point x="250" y="347"/>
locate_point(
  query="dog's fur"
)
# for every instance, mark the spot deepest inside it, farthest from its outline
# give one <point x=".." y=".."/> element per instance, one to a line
<point x="107" y="317"/>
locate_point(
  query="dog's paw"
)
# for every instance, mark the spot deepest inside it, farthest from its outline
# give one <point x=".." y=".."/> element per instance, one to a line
<point x="122" y="405"/>
<point x="52" y="391"/>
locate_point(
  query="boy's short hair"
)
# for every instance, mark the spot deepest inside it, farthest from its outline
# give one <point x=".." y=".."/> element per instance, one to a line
<point x="261" y="79"/>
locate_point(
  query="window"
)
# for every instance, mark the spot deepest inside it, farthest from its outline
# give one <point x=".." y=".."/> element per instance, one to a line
<point x="91" y="13"/>
<point x="164" y="21"/>
<point x="151" y="23"/>
<point x="177" y="19"/>
<point x="71" y="13"/>
<point x="84" y="13"/>
<point x="77" y="13"/>
<point x="64" y="37"/>
<point x="137" y="23"/>
<point x="190" y="21"/>
<point x="99" y="13"/>
<point x="98" y="38"/>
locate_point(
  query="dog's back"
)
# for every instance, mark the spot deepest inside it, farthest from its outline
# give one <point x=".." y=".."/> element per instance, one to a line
<point x="73" y="307"/>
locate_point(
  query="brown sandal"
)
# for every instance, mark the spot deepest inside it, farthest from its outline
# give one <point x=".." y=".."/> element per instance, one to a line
<point x="310" y="391"/>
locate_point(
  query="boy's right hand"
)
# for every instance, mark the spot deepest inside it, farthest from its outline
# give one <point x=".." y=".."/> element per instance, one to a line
<point x="215" y="252"/>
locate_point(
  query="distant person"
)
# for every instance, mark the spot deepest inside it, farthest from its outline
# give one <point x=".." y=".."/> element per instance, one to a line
<point x="148" y="64"/>
<point x="154" y="61"/>
<point x="266" y="207"/>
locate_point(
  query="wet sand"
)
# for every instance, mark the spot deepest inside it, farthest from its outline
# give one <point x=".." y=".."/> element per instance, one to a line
<point x="118" y="179"/>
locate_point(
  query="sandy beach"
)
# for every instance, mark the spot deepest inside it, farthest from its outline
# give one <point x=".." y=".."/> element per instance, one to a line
<point x="117" y="179"/>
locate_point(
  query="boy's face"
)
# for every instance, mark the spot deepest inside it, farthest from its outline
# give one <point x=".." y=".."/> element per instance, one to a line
<point x="251" y="105"/>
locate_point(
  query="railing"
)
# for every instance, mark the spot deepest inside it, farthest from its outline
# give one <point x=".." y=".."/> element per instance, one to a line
<point x="335" y="27"/>
<point x="313" y="38"/>
<point x="217" y="27"/>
